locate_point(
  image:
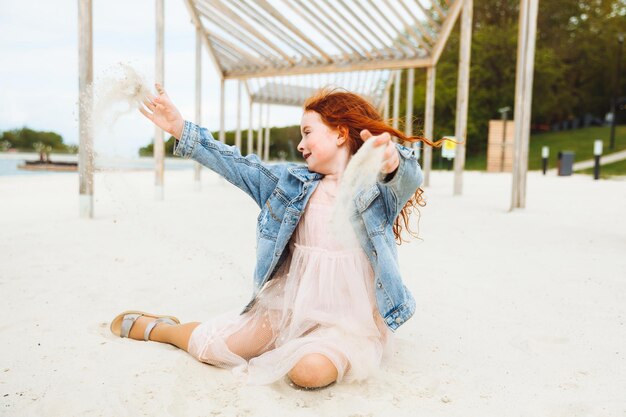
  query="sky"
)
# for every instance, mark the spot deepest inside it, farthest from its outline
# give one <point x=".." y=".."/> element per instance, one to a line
<point x="39" y="68"/>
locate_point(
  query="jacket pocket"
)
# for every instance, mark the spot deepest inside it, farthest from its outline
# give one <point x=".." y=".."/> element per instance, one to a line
<point x="364" y="198"/>
<point x="271" y="217"/>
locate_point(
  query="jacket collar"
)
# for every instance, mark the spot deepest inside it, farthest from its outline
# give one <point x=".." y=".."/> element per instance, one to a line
<point x="302" y="173"/>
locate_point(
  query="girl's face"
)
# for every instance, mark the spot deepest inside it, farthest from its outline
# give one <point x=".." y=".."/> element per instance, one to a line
<point x="320" y="145"/>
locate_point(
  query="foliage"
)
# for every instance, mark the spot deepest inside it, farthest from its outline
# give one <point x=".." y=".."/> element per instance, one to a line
<point x="575" y="66"/>
<point x="24" y="139"/>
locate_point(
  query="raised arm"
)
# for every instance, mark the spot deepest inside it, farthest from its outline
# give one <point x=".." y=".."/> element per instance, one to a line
<point x="248" y="173"/>
<point x="400" y="174"/>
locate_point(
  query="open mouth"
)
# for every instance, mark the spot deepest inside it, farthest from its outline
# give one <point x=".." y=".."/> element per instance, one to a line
<point x="306" y="155"/>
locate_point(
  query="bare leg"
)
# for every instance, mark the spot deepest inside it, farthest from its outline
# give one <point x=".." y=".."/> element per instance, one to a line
<point x="313" y="371"/>
<point x="177" y="335"/>
<point x="250" y="341"/>
<point x="256" y="337"/>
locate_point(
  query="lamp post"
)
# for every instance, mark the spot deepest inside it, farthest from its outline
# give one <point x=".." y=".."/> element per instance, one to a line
<point x="616" y="91"/>
<point x="597" y="152"/>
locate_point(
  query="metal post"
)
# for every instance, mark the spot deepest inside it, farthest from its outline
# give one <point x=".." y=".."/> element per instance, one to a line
<point x="462" y="95"/>
<point x="197" y="166"/>
<point x="429" y="119"/>
<point x="159" y="75"/>
<point x="85" y="108"/>
<point x="523" y="98"/>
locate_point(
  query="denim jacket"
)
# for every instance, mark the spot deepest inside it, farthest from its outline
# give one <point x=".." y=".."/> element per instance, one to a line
<point x="282" y="191"/>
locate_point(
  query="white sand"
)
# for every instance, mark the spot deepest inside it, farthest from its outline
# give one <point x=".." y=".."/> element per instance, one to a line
<point x="518" y="314"/>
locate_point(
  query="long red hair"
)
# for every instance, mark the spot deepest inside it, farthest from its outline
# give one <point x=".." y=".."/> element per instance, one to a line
<point x="350" y="114"/>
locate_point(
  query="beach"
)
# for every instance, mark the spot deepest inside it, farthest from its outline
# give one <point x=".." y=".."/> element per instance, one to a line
<point x="518" y="313"/>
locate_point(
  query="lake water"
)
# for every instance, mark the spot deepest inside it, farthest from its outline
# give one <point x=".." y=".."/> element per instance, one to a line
<point x="10" y="161"/>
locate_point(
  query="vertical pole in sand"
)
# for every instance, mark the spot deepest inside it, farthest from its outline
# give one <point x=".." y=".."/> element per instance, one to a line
<point x="408" y="125"/>
<point x="462" y="95"/>
<point x="85" y="108"/>
<point x="597" y="153"/>
<point x="250" y="134"/>
<point x="523" y="98"/>
<point x="238" y="131"/>
<point x="396" y="99"/>
<point x="259" y="140"/>
<point x="429" y="120"/>
<point x="197" y="166"/>
<point x="159" y="70"/>
<point x="222" y="113"/>
<point x="266" y="144"/>
<point x="386" y="107"/>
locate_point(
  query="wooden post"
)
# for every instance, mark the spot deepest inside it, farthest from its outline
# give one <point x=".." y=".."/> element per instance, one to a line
<point x="159" y="70"/>
<point x="250" y="133"/>
<point x="429" y="119"/>
<point x="259" y="140"/>
<point x="85" y="108"/>
<point x="222" y="113"/>
<point x="386" y="107"/>
<point x="238" y="131"/>
<point x="462" y="95"/>
<point x="408" y="125"/>
<point x="523" y="98"/>
<point x="396" y="99"/>
<point x="197" y="166"/>
<point x="266" y="147"/>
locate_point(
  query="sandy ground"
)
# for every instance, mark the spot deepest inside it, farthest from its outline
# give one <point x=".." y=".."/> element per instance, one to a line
<point x="518" y="314"/>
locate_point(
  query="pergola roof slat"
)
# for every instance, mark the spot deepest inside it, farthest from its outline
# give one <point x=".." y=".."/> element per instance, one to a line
<point x="243" y="38"/>
<point x="275" y="29"/>
<point x="236" y="18"/>
<point x="274" y="13"/>
<point x="306" y="17"/>
<point x="418" y="38"/>
<point x="334" y="27"/>
<point x="436" y="25"/>
<point x="421" y="28"/>
<point x="356" y="33"/>
<point x="269" y="38"/>
<point x="400" y="36"/>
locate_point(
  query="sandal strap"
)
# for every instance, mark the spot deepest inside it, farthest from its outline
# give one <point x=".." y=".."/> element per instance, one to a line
<point x="127" y="324"/>
<point x="151" y="325"/>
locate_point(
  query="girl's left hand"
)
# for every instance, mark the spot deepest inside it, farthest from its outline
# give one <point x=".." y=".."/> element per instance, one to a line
<point x="391" y="160"/>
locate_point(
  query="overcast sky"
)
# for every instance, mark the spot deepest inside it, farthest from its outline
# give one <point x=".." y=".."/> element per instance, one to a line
<point x="39" y="68"/>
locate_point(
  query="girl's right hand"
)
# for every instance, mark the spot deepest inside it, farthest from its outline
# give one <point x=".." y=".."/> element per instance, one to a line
<point x="162" y="112"/>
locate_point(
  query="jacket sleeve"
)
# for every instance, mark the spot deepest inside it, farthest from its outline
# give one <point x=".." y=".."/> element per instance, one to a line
<point x="248" y="173"/>
<point x="399" y="186"/>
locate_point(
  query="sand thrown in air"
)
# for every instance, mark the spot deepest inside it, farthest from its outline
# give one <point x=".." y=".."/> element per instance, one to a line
<point x="361" y="173"/>
<point x="118" y="93"/>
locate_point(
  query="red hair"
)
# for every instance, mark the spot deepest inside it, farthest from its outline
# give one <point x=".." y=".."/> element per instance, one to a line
<point x="350" y="114"/>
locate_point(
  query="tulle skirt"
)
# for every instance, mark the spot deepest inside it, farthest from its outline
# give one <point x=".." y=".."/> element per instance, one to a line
<point x="321" y="301"/>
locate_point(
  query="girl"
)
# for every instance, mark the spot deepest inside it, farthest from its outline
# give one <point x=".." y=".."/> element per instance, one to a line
<point x="321" y="311"/>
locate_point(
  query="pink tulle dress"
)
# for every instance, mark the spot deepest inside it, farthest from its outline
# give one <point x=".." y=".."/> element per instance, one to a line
<point x="320" y="301"/>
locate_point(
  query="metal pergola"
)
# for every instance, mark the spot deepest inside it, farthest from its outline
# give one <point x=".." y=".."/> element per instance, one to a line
<point x="280" y="51"/>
